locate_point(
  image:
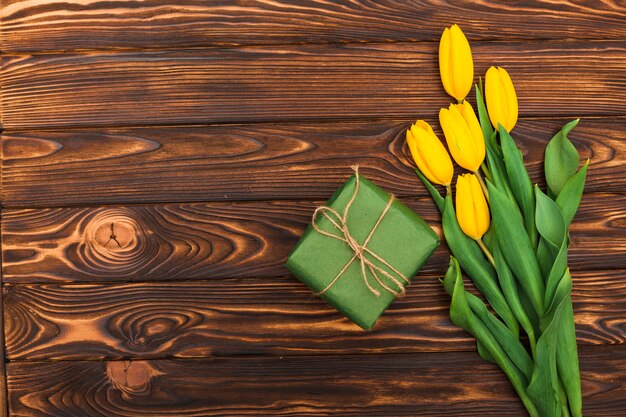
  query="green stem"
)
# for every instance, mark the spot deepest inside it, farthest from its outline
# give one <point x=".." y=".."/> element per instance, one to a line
<point x="563" y="395"/>
<point x="486" y="171"/>
<point x="482" y="185"/>
<point x="486" y="252"/>
<point x="530" y="406"/>
<point x="532" y="340"/>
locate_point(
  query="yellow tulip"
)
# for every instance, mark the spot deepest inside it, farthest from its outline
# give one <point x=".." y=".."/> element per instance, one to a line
<point x="501" y="98"/>
<point x="472" y="211"/>
<point x="429" y="154"/>
<point x="464" y="135"/>
<point x="455" y="63"/>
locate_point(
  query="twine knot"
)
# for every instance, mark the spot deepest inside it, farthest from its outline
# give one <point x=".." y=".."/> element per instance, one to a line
<point x="361" y="252"/>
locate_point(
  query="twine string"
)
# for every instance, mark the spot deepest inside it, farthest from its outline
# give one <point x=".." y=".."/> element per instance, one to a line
<point x="340" y="225"/>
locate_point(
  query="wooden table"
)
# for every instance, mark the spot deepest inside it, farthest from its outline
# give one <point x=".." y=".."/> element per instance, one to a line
<point x="160" y="160"/>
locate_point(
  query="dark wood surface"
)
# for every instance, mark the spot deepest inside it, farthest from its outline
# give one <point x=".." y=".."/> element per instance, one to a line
<point x="257" y="161"/>
<point x="57" y="25"/>
<point x="202" y="135"/>
<point x="296" y="82"/>
<point x="432" y="384"/>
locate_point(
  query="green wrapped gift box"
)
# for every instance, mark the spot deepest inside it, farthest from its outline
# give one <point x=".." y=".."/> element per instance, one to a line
<point x="399" y="243"/>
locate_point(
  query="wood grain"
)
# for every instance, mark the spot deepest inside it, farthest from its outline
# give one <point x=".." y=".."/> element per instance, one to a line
<point x="257" y="316"/>
<point x="256" y="162"/>
<point x="57" y="25"/>
<point x="433" y="384"/>
<point x="289" y="83"/>
<point x="4" y="408"/>
<point x="225" y="240"/>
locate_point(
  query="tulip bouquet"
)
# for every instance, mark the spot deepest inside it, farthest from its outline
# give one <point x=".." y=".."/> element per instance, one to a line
<point x="509" y="237"/>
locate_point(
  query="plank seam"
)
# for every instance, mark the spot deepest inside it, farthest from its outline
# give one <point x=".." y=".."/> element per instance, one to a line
<point x="287" y="122"/>
<point x="280" y="278"/>
<point x="225" y="45"/>
<point x="76" y="127"/>
<point x="581" y="347"/>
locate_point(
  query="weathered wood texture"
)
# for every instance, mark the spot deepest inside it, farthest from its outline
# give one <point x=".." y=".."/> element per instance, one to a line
<point x="256" y="162"/>
<point x="3" y="381"/>
<point x="225" y="240"/>
<point x="58" y="25"/>
<point x="359" y="385"/>
<point x="257" y="316"/>
<point x="135" y="226"/>
<point x="281" y="83"/>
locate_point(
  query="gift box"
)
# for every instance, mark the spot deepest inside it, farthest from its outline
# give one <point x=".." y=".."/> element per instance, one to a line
<point x="361" y="250"/>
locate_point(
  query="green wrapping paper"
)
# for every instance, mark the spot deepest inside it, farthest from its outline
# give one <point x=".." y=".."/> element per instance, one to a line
<point x="401" y="239"/>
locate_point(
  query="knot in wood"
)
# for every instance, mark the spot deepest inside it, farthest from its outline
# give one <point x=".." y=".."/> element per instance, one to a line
<point x="132" y="378"/>
<point x="115" y="239"/>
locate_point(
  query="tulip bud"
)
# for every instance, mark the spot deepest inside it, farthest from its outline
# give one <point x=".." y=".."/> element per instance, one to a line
<point x="455" y="63"/>
<point x="472" y="211"/>
<point x="429" y="154"/>
<point x="501" y="98"/>
<point x="464" y="135"/>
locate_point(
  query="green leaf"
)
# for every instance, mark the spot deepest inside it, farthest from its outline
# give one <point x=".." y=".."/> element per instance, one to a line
<point x="498" y="173"/>
<point x="507" y="340"/>
<point x="568" y="199"/>
<point x="509" y="288"/>
<point x="545" y="257"/>
<point x="483" y="116"/>
<point x="544" y="385"/>
<point x="528" y="307"/>
<point x="549" y="220"/>
<point x="563" y="290"/>
<point x="567" y="359"/>
<point x="520" y="183"/>
<point x="516" y="247"/>
<point x="473" y="262"/>
<point x="489" y="238"/>
<point x="551" y="227"/>
<point x="484" y="352"/>
<point x="437" y="198"/>
<point x="552" y="251"/>
<point x="561" y="160"/>
<point x="463" y="315"/>
<point x="557" y="271"/>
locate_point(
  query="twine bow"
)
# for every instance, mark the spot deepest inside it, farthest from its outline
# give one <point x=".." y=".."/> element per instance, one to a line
<point x="340" y="224"/>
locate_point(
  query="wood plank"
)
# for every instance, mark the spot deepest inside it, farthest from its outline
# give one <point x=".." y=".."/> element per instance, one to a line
<point x="4" y="406"/>
<point x="225" y="240"/>
<point x="54" y="25"/>
<point x="123" y="24"/>
<point x="255" y="162"/>
<point x="257" y="316"/>
<point x="359" y="385"/>
<point x="288" y="83"/>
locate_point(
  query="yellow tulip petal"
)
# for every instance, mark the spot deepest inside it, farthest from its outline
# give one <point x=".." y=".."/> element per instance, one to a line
<point x="438" y="159"/>
<point x="471" y="207"/>
<point x="448" y="125"/>
<point x="463" y="136"/>
<point x="478" y="140"/>
<point x="511" y="99"/>
<point x="493" y="97"/>
<point x="429" y="154"/>
<point x="481" y="210"/>
<point x="501" y="98"/>
<point x="419" y="161"/>
<point x="446" y="122"/>
<point x="444" y="61"/>
<point x="504" y="104"/>
<point x="465" y="207"/>
<point x="462" y="66"/>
